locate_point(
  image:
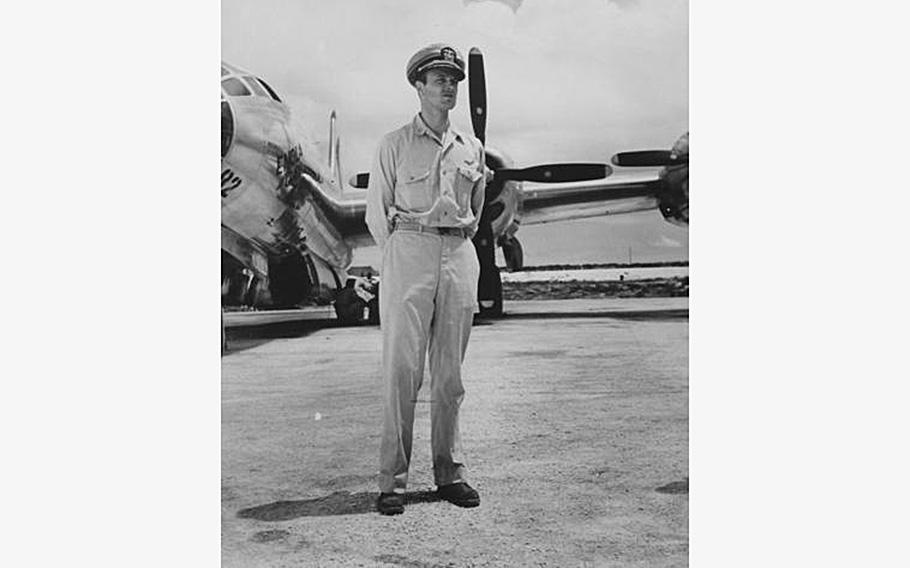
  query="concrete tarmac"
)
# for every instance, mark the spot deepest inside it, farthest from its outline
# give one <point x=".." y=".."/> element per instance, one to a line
<point x="574" y="425"/>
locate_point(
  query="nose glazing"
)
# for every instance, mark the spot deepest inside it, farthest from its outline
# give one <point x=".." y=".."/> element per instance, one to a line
<point x="227" y="127"/>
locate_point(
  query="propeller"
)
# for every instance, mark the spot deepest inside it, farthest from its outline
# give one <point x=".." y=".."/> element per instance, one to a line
<point x="678" y="155"/>
<point x="555" y="173"/>
<point x="674" y="177"/>
<point x="477" y="94"/>
<point x="544" y="173"/>
<point x="646" y="158"/>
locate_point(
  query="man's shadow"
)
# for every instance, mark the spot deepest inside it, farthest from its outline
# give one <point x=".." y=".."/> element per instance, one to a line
<point x="338" y="503"/>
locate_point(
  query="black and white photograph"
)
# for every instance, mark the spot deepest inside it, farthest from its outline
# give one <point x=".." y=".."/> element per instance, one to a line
<point x="460" y="316"/>
<point x="454" y="262"/>
<point x="454" y="283"/>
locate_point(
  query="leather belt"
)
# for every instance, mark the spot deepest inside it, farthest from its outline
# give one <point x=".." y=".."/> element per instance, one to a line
<point x="419" y="228"/>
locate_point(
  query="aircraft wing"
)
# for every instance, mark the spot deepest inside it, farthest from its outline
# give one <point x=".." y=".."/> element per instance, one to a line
<point x="619" y="193"/>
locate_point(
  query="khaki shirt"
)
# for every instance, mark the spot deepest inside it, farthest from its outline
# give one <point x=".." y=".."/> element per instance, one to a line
<point x="421" y="178"/>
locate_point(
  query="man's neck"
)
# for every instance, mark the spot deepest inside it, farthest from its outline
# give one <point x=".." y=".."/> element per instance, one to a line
<point x="435" y="119"/>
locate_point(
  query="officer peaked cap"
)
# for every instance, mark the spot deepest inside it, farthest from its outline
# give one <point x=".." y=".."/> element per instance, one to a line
<point x="435" y="56"/>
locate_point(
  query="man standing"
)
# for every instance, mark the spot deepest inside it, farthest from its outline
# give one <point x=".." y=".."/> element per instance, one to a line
<point x="424" y="202"/>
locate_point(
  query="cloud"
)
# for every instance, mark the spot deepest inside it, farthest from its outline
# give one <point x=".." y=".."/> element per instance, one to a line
<point x="624" y="3"/>
<point x="514" y="4"/>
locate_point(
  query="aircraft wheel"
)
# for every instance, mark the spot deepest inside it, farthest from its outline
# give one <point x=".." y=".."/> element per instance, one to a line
<point x="351" y="309"/>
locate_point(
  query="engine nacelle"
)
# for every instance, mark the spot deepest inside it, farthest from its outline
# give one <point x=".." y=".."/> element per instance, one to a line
<point x="674" y="196"/>
<point x="502" y="207"/>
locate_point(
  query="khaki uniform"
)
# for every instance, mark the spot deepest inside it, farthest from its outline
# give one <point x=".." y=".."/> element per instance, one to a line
<point x="423" y="205"/>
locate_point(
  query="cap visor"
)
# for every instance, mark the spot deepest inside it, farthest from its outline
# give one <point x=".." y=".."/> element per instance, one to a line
<point x="456" y="70"/>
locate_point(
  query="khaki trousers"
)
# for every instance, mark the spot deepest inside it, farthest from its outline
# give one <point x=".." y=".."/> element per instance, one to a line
<point x="427" y="300"/>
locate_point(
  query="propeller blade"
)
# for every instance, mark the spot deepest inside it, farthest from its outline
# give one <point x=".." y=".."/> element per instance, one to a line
<point x="555" y="173"/>
<point x="477" y="94"/>
<point x="645" y="158"/>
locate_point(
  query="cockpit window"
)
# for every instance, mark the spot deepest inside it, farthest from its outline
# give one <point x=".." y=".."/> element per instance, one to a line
<point x="227" y="127"/>
<point x="255" y="86"/>
<point x="234" y="87"/>
<point x="269" y="89"/>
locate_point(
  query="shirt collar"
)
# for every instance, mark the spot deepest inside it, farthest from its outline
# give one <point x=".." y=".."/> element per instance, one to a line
<point x="420" y="127"/>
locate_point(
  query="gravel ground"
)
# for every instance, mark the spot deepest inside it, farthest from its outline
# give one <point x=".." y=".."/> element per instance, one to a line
<point x="575" y="434"/>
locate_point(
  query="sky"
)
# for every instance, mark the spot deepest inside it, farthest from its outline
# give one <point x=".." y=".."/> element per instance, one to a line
<point x="576" y="84"/>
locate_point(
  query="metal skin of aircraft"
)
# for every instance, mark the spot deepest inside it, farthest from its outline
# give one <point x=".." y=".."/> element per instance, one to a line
<point x="289" y="223"/>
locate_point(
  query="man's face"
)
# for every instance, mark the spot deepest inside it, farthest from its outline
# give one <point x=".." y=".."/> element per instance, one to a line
<point x="440" y="90"/>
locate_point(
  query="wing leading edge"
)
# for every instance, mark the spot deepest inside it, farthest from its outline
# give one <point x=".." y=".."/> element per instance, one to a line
<point x="550" y="202"/>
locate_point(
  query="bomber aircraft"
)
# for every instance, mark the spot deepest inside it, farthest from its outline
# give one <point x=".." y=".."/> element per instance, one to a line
<point x="289" y="222"/>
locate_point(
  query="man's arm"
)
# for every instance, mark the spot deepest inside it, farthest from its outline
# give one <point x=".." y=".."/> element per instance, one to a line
<point x="380" y="193"/>
<point x="477" y="195"/>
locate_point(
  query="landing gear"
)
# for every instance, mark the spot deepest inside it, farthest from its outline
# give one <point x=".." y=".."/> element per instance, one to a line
<point x="290" y="279"/>
<point x="239" y="285"/>
<point x="358" y="303"/>
<point x="512" y="252"/>
<point x="489" y="287"/>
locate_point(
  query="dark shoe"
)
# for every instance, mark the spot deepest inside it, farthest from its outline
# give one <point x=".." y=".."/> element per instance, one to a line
<point x="460" y="494"/>
<point x="390" y="504"/>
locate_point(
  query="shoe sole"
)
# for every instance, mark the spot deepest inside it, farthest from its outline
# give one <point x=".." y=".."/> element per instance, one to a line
<point x="464" y="504"/>
<point x="390" y="509"/>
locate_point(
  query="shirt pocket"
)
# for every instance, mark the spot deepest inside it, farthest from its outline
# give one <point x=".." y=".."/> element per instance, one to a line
<point x="412" y="192"/>
<point x="465" y="179"/>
